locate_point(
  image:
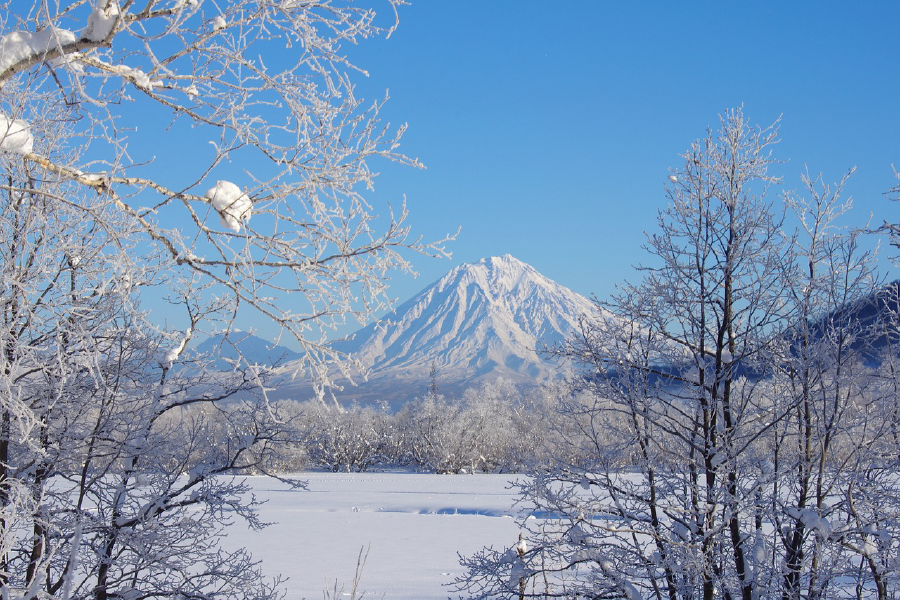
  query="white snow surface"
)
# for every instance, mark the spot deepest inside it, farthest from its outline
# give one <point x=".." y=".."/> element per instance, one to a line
<point x="232" y="204"/>
<point x="15" y="135"/>
<point x="17" y="46"/>
<point x="412" y="524"/>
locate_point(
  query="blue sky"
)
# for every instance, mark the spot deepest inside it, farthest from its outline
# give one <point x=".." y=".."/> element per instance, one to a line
<point x="548" y="129"/>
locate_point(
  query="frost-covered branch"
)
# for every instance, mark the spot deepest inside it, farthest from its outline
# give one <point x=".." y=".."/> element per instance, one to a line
<point x="210" y="157"/>
<point x="264" y="96"/>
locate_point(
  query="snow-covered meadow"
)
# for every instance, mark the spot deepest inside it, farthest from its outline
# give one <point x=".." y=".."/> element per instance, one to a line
<point x="413" y="525"/>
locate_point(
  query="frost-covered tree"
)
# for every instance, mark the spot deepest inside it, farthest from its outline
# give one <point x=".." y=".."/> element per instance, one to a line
<point x="99" y="475"/>
<point x="351" y="439"/>
<point x="508" y="421"/>
<point x="829" y="468"/>
<point x="228" y="135"/>
<point x="437" y="435"/>
<point x="495" y="426"/>
<point x="108" y="487"/>
<point x="212" y="156"/>
<point x="729" y="442"/>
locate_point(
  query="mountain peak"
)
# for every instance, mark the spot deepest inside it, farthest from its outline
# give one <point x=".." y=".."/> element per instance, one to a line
<point x="480" y="321"/>
<point x="507" y="261"/>
<point x="497" y="275"/>
<point x="503" y="259"/>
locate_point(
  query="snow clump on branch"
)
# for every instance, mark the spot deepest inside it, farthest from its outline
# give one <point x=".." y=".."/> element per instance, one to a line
<point x="15" y="135"/>
<point x="19" y="46"/>
<point x="233" y="205"/>
<point x="140" y="79"/>
<point x="169" y="358"/>
<point x="102" y="20"/>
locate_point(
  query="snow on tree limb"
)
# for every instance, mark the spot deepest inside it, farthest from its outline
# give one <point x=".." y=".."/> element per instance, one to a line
<point x="15" y="136"/>
<point x="102" y="20"/>
<point x="232" y="204"/>
<point x="23" y="46"/>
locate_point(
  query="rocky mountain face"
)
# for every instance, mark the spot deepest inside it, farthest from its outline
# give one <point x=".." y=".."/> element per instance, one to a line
<point x="479" y="322"/>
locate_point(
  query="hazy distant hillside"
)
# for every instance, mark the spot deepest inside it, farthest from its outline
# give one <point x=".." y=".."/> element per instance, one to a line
<point x="254" y="350"/>
<point x="875" y="316"/>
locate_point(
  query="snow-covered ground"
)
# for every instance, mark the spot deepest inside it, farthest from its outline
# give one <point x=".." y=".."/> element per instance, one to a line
<point x="413" y="524"/>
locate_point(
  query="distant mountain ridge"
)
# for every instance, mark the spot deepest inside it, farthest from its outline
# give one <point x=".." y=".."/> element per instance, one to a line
<point x="486" y="320"/>
<point x="479" y="322"/>
<point x="251" y="349"/>
<point x="875" y="319"/>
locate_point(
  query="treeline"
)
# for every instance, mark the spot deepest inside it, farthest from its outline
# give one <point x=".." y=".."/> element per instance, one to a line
<point x="495" y="427"/>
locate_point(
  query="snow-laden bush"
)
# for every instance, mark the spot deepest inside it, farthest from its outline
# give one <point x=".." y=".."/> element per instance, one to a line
<point x="352" y="439"/>
<point x="493" y="427"/>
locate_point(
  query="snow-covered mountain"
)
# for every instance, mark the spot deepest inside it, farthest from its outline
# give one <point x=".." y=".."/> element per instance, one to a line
<point x="479" y="322"/>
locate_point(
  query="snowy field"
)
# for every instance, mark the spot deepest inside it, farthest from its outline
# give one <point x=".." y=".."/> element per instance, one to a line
<point x="413" y="524"/>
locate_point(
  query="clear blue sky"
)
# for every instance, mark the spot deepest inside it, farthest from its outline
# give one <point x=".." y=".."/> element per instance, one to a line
<point x="548" y="129"/>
